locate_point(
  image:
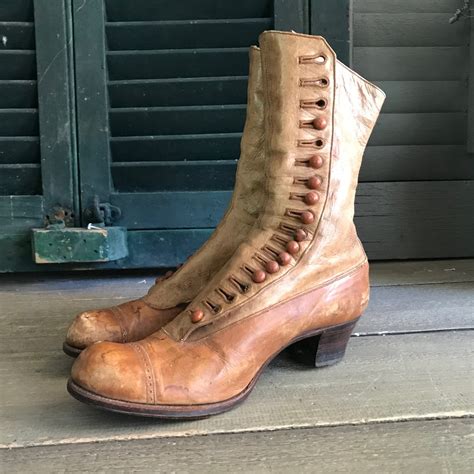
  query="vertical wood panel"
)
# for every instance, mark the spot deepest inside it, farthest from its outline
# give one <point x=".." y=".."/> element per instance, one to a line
<point x="92" y="100"/>
<point x="56" y="117"/>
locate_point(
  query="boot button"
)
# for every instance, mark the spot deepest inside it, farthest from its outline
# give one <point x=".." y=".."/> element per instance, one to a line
<point x="300" y="235"/>
<point x="259" y="276"/>
<point x="293" y="247"/>
<point x="314" y="182"/>
<point x="307" y="217"/>
<point x="272" y="266"/>
<point x="316" y="161"/>
<point x="285" y="258"/>
<point x="320" y="123"/>
<point x="197" y="315"/>
<point x="311" y="198"/>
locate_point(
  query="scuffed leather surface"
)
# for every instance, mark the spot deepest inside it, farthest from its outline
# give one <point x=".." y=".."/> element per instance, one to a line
<point x="327" y="284"/>
<point x="240" y="217"/>
<point x="159" y="370"/>
<point x="130" y="321"/>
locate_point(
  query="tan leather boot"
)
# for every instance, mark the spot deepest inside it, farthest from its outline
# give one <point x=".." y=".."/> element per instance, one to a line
<point x="301" y="273"/>
<point x="137" y="319"/>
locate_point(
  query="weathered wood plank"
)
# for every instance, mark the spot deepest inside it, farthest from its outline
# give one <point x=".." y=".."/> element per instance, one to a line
<point x="416" y="163"/>
<point x="224" y="33"/>
<point x="408" y="6"/>
<point x="411" y="64"/>
<point x="392" y="310"/>
<point x="395" y="378"/>
<point x="428" y="446"/>
<point x="408" y="29"/>
<point x="125" y="285"/>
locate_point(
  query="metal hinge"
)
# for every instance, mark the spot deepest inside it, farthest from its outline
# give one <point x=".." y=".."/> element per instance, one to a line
<point x="102" y="213"/>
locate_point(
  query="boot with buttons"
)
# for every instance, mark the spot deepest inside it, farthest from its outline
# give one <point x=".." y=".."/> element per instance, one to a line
<point x="301" y="275"/>
<point x="139" y="318"/>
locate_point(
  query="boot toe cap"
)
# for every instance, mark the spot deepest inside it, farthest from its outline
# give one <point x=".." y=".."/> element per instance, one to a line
<point x="111" y="370"/>
<point x="93" y="326"/>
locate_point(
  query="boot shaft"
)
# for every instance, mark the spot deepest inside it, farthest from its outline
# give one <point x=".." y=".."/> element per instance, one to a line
<point x="318" y="119"/>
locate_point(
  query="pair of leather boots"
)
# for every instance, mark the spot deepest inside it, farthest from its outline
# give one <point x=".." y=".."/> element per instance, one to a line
<point x="284" y="265"/>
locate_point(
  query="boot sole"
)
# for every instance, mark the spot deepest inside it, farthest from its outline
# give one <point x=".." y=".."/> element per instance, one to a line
<point x="71" y="351"/>
<point x="325" y="346"/>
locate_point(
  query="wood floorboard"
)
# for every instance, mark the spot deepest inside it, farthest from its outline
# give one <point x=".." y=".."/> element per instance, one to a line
<point x="37" y="322"/>
<point x="130" y="285"/>
<point x="392" y="378"/>
<point x="437" y="446"/>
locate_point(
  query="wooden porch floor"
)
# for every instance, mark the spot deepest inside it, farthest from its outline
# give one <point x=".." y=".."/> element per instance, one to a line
<point x="401" y="400"/>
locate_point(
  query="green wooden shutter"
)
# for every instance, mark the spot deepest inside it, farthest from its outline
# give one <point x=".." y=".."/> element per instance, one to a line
<point x="161" y="107"/>
<point x="36" y="124"/>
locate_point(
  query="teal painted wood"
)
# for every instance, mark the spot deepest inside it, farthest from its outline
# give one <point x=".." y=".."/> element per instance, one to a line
<point x="16" y="10"/>
<point x="146" y="10"/>
<point x="333" y="20"/>
<point x="56" y="111"/>
<point x="92" y="102"/>
<point x="18" y="94"/>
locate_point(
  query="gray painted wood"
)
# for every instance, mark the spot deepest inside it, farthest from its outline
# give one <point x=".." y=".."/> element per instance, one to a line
<point x="416" y="163"/>
<point x="411" y="64"/>
<point x="408" y="6"/>
<point x="393" y="378"/>
<point x="408" y="29"/>
<point x="470" y="123"/>
<point x="431" y="446"/>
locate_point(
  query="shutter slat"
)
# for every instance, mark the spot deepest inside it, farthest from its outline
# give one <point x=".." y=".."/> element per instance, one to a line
<point x="190" y="34"/>
<point x="176" y="147"/>
<point x="177" y="120"/>
<point x="17" y="64"/>
<point x="18" y="94"/>
<point x="19" y="179"/>
<point x="416" y="163"/>
<point x="177" y="63"/>
<point x="18" y="122"/>
<point x="173" y="176"/>
<point x="19" y="150"/>
<point x="410" y="64"/>
<point x="420" y="129"/>
<point x="16" y="10"/>
<point x="125" y="10"/>
<point x="424" y="96"/>
<point x="17" y="35"/>
<point x="408" y="29"/>
<point x="178" y="92"/>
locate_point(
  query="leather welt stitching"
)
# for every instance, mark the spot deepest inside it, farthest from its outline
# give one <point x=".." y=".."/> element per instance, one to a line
<point x="149" y="374"/>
